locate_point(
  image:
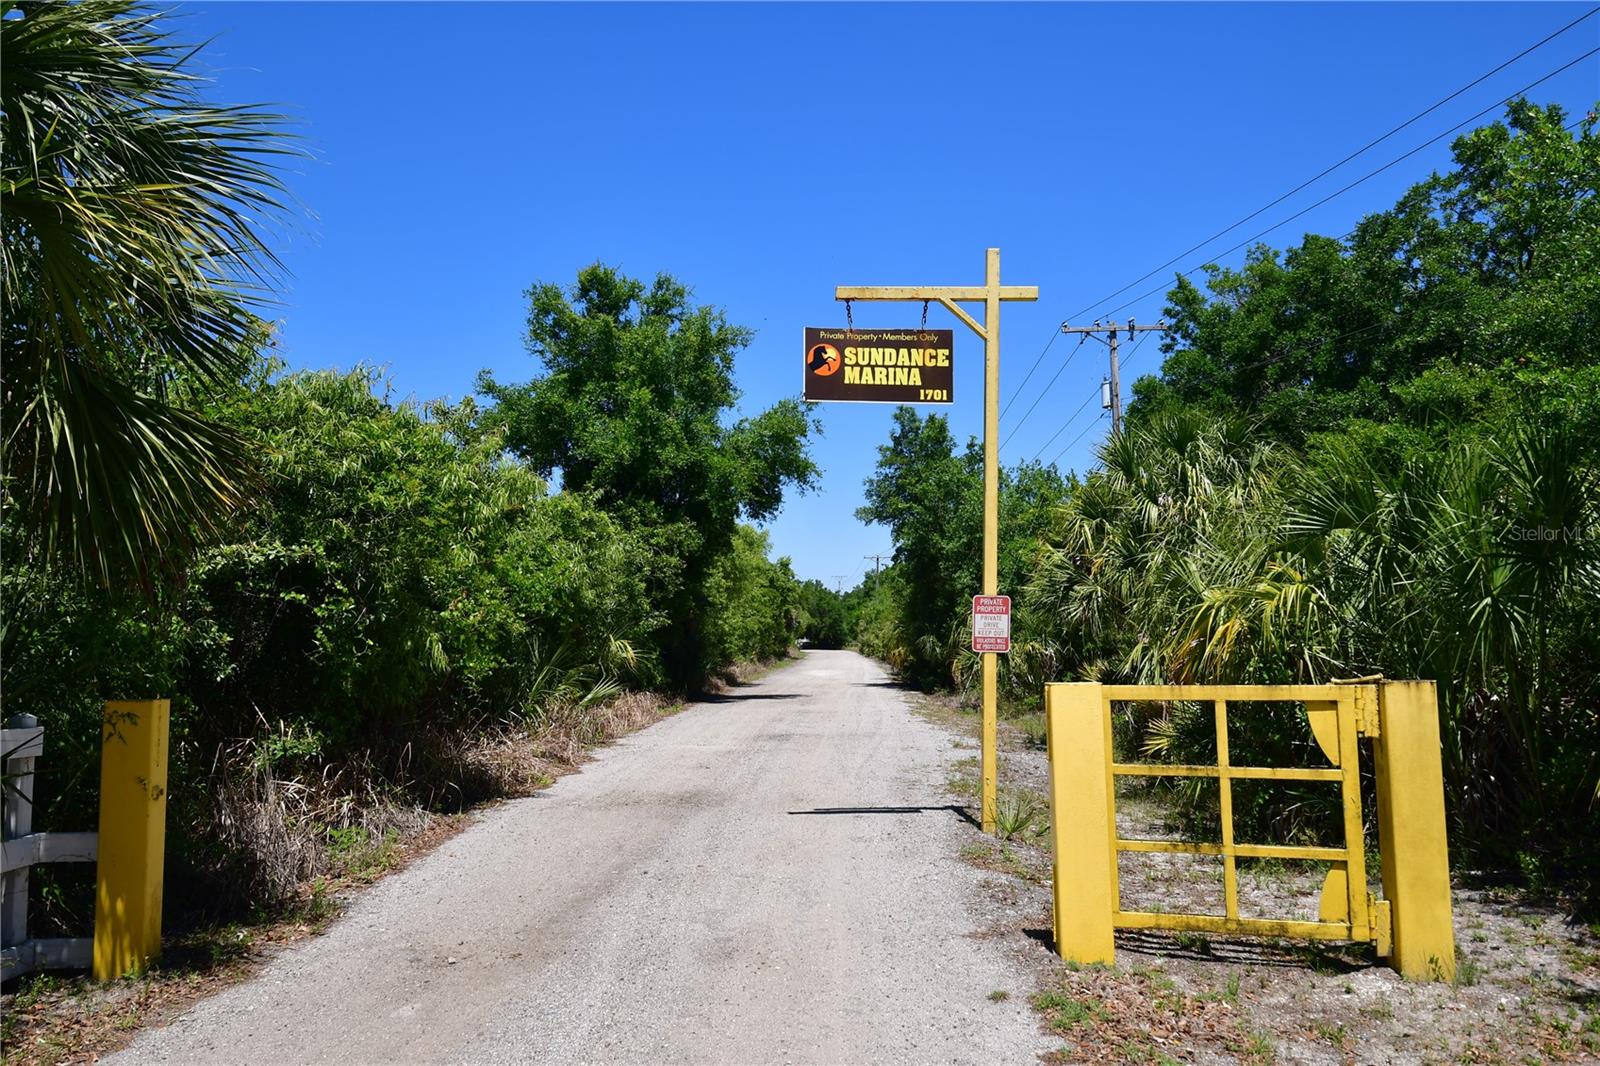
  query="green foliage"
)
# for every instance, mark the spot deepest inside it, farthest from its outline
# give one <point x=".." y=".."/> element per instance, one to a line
<point x="397" y="577"/>
<point x="400" y="558"/>
<point x="823" y="617"/>
<point x="916" y="616"/>
<point x="754" y="602"/>
<point x="132" y="263"/>
<point x="1412" y="489"/>
<point x="1487" y="277"/>
<point x="630" y="412"/>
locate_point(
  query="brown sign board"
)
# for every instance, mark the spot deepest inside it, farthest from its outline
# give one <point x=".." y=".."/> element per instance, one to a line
<point x="879" y="365"/>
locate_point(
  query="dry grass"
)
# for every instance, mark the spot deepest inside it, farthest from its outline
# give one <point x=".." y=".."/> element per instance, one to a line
<point x="298" y="846"/>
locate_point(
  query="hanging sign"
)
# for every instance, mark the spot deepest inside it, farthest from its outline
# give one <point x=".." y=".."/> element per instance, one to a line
<point x="991" y="623"/>
<point x="879" y="365"/>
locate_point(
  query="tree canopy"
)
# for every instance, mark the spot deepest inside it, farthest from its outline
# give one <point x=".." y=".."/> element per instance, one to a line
<point x="632" y="410"/>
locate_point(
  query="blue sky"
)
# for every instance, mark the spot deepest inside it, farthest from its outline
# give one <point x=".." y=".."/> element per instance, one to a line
<point x="766" y="153"/>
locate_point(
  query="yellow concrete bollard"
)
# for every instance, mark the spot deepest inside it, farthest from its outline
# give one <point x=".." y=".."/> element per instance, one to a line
<point x="1411" y="830"/>
<point x="133" y="829"/>
<point x="1078" y="737"/>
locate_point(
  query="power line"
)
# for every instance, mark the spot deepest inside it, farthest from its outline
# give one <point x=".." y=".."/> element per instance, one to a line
<point x="1324" y="173"/>
<point x="1340" y="192"/>
<point x="1069" y="420"/>
<point x="1079" y="437"/>
<point x="1074" y="416"/>
<point x="1113" y="382"/>
<point x="1372" y="174"/>
<point x="1029" y="375"/>
<point x="1283" y="354"/>
<point x="1135" y="349"/>
<point x="1042" y="393"/>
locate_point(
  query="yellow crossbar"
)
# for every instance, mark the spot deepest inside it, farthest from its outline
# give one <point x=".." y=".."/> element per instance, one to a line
<point x="1243" y="851"/>
<point x="1258" y="773"/>
<point x="1235" y="693"/>
<point x="1216" y="923"/>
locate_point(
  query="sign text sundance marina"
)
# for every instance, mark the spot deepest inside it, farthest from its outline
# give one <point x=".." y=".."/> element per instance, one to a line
<point x="879" y="365"/>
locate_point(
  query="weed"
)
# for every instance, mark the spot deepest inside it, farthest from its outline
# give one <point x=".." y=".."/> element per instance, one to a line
<point x="1032" y="727"/>
<point x="1468" y="970"/>
<point x="1256" y="1047"/>
<point x="357" y="853"/>
<point x="1381" y="1008"/>
<point x="999" y="995"/>
<point x="322" y="906"/>
<point x="1194" y="942"/>
<point x="977" y="854"/>
<point x="1065" y="1012"/>
<point x="1016" y="813"/>
<point x="1332" y="1034"/>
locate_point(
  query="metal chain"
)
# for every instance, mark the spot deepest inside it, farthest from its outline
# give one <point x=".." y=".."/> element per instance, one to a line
<point x="924" y="316"/>
<point x="849" y="321"/>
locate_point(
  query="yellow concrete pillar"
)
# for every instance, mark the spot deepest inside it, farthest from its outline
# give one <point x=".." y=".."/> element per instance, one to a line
<point x="1411" y="830"/>
<point x="133" y="829"/>
<point x="1084" y="895"/>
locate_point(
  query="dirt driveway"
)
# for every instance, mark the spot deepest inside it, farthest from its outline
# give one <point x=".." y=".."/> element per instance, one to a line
<point x="764" y="878"/>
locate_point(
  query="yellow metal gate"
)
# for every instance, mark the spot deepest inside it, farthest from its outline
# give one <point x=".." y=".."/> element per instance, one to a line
<point x="1087" y="893"/>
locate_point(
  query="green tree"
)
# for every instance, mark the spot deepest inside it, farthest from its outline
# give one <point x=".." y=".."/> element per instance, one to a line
<point x="753" y="602"/>
<point x="931" y="498"/>
<point x="823" y="622"/>
<point x="1484" y="280"/>
<point x="1411" y="491"/>
<point x="630" y="410"/>
<point x="132" y="263"/>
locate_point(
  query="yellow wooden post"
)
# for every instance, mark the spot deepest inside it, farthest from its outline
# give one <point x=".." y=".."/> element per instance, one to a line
<point x="133" y="827"/>
<point x="1411" y="830"/>
<point x="1083" y="874"/>
<point x="991" y="530"/>
<point x="991" y="293"/>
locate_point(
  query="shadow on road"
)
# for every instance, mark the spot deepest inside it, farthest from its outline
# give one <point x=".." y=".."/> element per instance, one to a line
<point x="723" y="697"/>
<point x="960" y="812"/>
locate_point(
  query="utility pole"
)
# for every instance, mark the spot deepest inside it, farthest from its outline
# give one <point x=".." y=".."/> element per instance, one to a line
<point x="990" y="294"/>
<point x="877" y="561"/>
<point x="838" y="583"/>
<point x="1112" y="330"/>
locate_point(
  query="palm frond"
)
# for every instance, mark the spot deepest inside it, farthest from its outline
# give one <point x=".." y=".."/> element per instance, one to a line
<point x="133" y="260"/>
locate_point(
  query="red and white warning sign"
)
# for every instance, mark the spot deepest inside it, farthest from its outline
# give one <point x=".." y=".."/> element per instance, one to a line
<point x="991" y="623"/>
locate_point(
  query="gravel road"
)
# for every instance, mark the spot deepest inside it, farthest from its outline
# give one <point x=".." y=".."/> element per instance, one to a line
<point x="769" y="877"/>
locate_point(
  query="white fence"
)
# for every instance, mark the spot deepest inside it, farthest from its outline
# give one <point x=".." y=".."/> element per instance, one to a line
<point x="22" y="742"/>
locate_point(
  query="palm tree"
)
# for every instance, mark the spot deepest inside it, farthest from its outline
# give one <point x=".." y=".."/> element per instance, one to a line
<point x="132" y="265"/>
